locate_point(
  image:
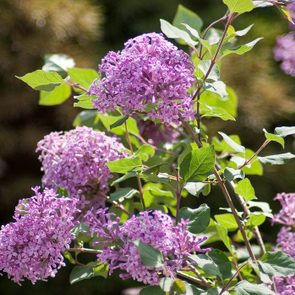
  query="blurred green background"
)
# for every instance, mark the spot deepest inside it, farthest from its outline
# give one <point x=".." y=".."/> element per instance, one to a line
<point x="86" y="30"/>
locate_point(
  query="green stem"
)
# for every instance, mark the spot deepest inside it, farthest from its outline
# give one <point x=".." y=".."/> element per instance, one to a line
<point x="141" y="195"/>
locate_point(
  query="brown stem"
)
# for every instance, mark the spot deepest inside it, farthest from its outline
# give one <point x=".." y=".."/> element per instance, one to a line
<point x="266" y="142"/>
<point x="235" y="214"/>
<point x="194" y="279"/>
<point x="121" y="207"/>
<point x="76" y="85"/>
<point x="214" y="59"/>
<point x="256" y="230"/>
<point x="141" y="195"/>
<point x="232" y="278"/>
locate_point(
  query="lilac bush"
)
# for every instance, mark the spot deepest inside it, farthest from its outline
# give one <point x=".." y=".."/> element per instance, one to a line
<point x="115" y="186"/>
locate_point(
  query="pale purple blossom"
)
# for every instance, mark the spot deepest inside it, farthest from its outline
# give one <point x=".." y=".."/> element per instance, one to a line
<point x="286" y="215"/>
<point x="76" y="161"/>
<point x="150" y="75"/>
<point x="150" y="227"/>
<point x="286" y="240"/>
<point x="285" y="52"/>
<point x="157" y="134"/>
<point x="284" y="285"/>
<point x="291" y="9"/>
<point x="31" y="246"/>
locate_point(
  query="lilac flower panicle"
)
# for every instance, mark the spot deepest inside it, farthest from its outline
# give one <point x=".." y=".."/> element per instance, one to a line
<point x="158" y="134"/>
<point x="286" y="240"/>
<point x="31" y="247"/>
<point x="285" y="52"/>
<point x="286" y="216"/>
<point x="75" y="160"/>
<point x="149" y="73"/>
<point x="284" y="285"/>
<point x="150" y="227"/>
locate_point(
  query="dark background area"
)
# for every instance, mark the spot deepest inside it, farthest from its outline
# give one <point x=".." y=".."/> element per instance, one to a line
<point x="86" y="30"/>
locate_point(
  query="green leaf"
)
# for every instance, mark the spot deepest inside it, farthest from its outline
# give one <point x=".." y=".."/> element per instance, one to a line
<point x="217" y="87"/>
<point x="166" y="284"/>
<point x="152" y="290"/>
<point x="84" y="101"/>
<point x="145" y="151"/>
<point x="239" y="6"/>
<point x="83" y="272"/>
<point x="223" y="263"/>
<point x="236" y="147"/>
<point x="277" y="263"/>
<point x="56" y="96"/>
<point x="279" y="159"/>
<point x="263" y="3"/>
<point x="264" y="206"/>
<point x="241" y="49"/>
<point x="214" y="263"/>
<point x="175" y="33"/>
<point x="197" y="188"/>
<point x="285" y="131"/>
<point x="212" y="101"/>
<point x="83" y="77"/>
<point x="246" y="288"/>
<point x="223" y="235"/>
<point x="199" y="218"/>
<point x="149" y="255"/>
<point x="255" y="219"/>
<point x="232" y="174"/>
<point x="213" y="111"/>
<point x="186" y="16"/>
<point x="124" y="165"/>
<point x="123" y="193"/>
<point x="274" y="137"/>
<point x="86" y="118"/>
<point x="227" y="221"/>
<point x="198" y="164"/>
<point x="245" y="189"/>
<point x="119" y="122"/>
<point x="59" y="63"/>
<point x="41" y="80"/>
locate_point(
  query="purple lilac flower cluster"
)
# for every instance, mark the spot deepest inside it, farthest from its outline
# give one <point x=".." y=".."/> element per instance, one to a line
<point x="75" y="160"/>
<point x="156" y="134"/>
<point x="150" y="227"/>
<point x="286" y="240"/>
<point x="150" y="73"/>
<point x="31" y="247"/>
<point x="285" y="47"/>
<point x="285" y="285"/>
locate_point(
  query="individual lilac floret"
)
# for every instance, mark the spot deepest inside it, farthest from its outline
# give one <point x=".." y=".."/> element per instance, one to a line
<point x="150" y="227"/>
<point x="31" y="247"/>
<point x="75" y="160"/>
<point x="156" y="134"/>
<point x="284" y="285"/>
<point x="287" y="214"/>
<point x="291" y="9"/>
<point x="149" y="75"/>
<point x="286" y="241"/>
<point x="285" y="52"/>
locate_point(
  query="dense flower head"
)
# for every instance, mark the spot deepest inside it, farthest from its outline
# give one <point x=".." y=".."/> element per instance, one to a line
<point x="285" y="52"/>
<point x="149" y="73"/>
<point x="75" y="160"/>
<point x="31" y="247"/>
<point x="156" y="134"/>
<point x="286" y="216"/>
<point x="153" y="228"/>
<point x="284" y="285"/>
<point x="286" y="240"/>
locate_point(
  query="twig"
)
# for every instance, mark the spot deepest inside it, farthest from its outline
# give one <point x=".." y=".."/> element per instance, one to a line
<point x="138" y="178"/>
<point x="265" y="143"/>
<point x="76" y="85"/>
<point x="194" y="279"/>
<point x="178" y="195"/>
<point x="121" y="207"/>
<point x="232" y="278"/>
